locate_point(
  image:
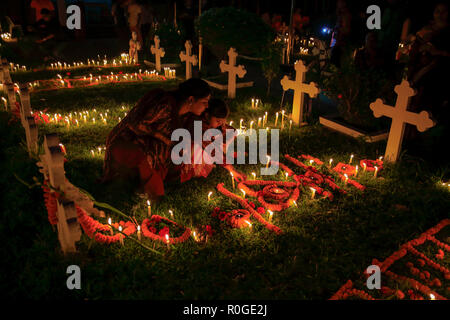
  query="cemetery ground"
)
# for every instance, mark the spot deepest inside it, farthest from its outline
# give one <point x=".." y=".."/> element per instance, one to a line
<point x="324" y="243"/>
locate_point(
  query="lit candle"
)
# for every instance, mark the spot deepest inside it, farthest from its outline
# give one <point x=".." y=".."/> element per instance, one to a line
<point x="232" y="179"/>
<point x="364" y="166"/>
<point x="346" y="178"/>
<point x="276" y="119"/>
<point x="149" y="208"/>
<point x="194" y="234"/>
<point x="375" y="172"/>
<point x="311" y="162"/>
<point x="259" y="122"/>
<point x="243" y="192"/>
<point x="240" y="124"/>
<point x="356" y="170"/>
<point x="331" y="160"/>
<point x="287" y="175"/>
<point x="171" y="213"/>
<point x="268" y="161"/>
<point x="110" y="227"/>
<point x="351" y="159"/>
<point x="313" y="194"/>
<point x="167" y="242"/>
<point x="253" y="103"/>
<point x="254" y="175"/>
<point x="231" y="123"/>
<point x="432" y="296"/>
<point x="290" y="126"/>
<point x="270" y="215"/>
<point x="139" y="232"/>
<point x="294" y="202"/>
<point x="209" y="195"/>
<point x="249" y="223"/>
<point x="257" y="101"/>
<point x="63" y="149"/>
<point x="265" y="119"/>
<point x="121" y="235"/>
<point x="251" y="126"/>
<point x="282" y="119"/>
<point x="93" y="153"/>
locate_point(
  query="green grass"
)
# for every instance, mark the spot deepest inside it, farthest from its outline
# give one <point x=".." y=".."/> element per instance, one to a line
<point x="323" y="245"/>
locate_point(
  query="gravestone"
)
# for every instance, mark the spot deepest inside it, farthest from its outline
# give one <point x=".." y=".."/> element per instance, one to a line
<point x="27" y="119"/>
<point x="135" y="46"/>
<point x="299" y="88"/>
<point x="191" y="60"/>
<point x="158" y="52"/>
<point x="400" y="116"/>
<point x="232" y="70"/>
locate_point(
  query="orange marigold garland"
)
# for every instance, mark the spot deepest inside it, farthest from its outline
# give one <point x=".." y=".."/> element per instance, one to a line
<point x="244" y="203"/>
<point x="50" y="203"/>
<point x="157" y="237"/>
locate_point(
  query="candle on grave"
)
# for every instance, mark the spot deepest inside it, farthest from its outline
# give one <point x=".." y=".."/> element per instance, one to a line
<point x="270" y="215"/>
<point x="254" y="175"/>
<point x="351" y="159"/>
<point x="232" y="179"/>
<point x="253" y="103"/>
<point x="110" y="227"/>
<point x="356" y="170"/>
<point x="257" y="101"/>
<point x="249" y="223"/>
<point x="432" y="297"/>
<point x="282" y="119"/>
<point x="209" y="195"/>
<point x="287" y="175"/>
<point x="290" y="126"/>
<point x="313" y="194"/>
<point x="251" y="125"/>
<point x="121" y="235"/>
<point x="346" y="178"/>
<point x="243" y="193"/>
<point x="364" y="166"/>
<point x="139" y="232"/>
<point x="375" y="172"/>
<point x="311" y="162"/>
<point x="63" y="149"/>
<point x="331" y="160"/>
<point x="240" y="124"/>
<point x="259" y="122"/>
<point x="93" y="153"/>
<point x="276" y="119"/>
<point x="231" y="123"/>
<point x="167" y="242"/>
<point x="294" y="202"/>
<point x="149" y="208"/>
<point x="194" y="234"/>
<point x="171" y="213"/>
<point x="268" y="161"/>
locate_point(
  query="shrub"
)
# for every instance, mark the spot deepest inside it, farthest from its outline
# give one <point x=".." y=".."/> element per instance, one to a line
<point x="222" y="28"/>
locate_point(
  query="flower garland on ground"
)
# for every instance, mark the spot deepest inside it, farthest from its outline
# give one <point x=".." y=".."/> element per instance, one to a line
<point x="244" y="203"/>
<point x="149" y="231"/>
<point x="345" y="290"/>
<point x="370" y="164"/>
<point x="272" y="189"/>
<point x="93" y="228"/>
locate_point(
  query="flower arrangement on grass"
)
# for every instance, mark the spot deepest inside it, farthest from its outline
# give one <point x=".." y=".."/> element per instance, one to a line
<point x="157" y="227"/>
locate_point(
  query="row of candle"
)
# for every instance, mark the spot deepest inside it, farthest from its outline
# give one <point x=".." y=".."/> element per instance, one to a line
<point x="17" y="67"/>
<point x="125" y="60"/>
<point x="5" y="36"/>
<point x="169" y="73"/>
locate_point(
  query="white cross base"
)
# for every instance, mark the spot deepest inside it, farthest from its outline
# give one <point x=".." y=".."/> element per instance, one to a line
<point x="299" y="88"/>
<point x="158" y="52"/>
<point x="400" y="116"/>
<point x="232" y="70"/>
<point x="191" y="60"/>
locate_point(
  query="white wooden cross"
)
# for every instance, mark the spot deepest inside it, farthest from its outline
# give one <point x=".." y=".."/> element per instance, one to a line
<point x="52" y="164"/>
<point x="299" y="88"/>
<point x="190" y="59"/>
<point x="232" y="70"/>
<point x="400" y="116"/>
<point x="28" y="122"/>
<point x="158" y="52"/>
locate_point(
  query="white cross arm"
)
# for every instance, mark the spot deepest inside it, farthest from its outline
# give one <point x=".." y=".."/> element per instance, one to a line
<point x="286" y="83"/>
<point x="422" y="120"/>
<point x="379" y="109"/>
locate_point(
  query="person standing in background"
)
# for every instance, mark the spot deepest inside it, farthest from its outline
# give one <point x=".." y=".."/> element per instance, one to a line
<point x="134" y="18"/>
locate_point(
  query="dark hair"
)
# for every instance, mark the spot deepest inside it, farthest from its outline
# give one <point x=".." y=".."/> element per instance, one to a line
<point x="217" y="108"/>
<point x="193" y="87"/>
<point x="45" y="11"/>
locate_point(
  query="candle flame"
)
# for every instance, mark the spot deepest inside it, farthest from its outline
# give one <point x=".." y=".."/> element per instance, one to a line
<point x="138" y="228"/>
<point x="249" y="223"/>
<point x="432" y="296"/>
<point x="148" y="203"/>
<point x="167" y="238"/>
<point x="120" y="228"/>
<point x="109" y="221"/>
